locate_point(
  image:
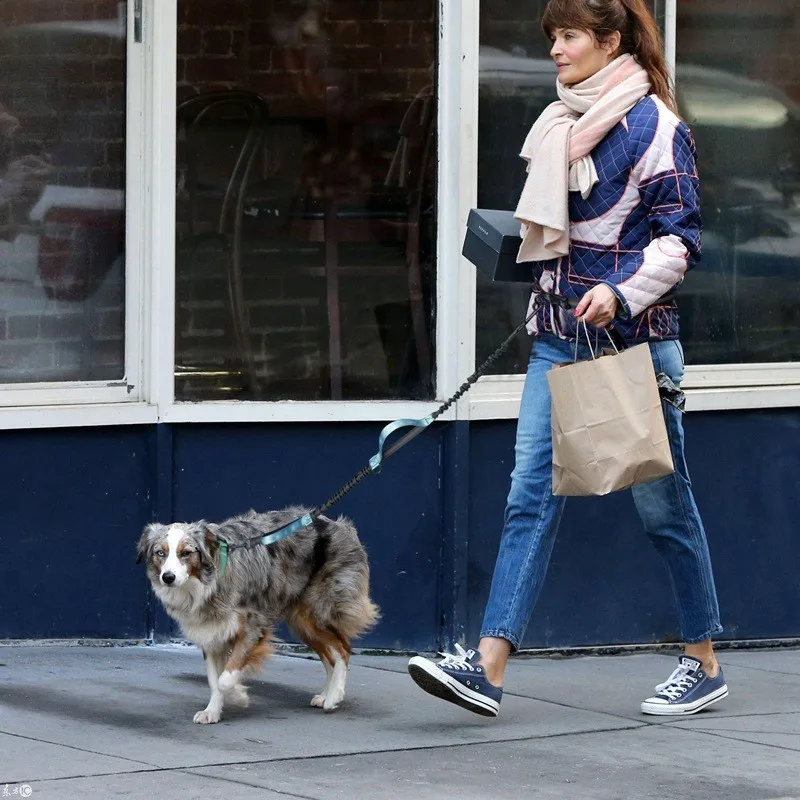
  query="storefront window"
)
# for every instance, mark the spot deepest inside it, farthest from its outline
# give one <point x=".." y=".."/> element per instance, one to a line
<point x="738" y="81"/>
<point x="62" y="180"/>
<point x="738" y="75"/>
<point x="306" y="199"/>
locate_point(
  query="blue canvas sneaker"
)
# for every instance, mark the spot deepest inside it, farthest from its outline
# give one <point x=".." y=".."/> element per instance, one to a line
<point x="458" y="678"/>
<point x="688" y="690"/>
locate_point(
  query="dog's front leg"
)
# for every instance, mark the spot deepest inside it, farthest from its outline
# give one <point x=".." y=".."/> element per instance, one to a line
<point x="213" y="711"/>
<point x="250" y="647"/>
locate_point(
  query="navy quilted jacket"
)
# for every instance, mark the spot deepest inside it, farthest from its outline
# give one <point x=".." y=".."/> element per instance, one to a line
<point x="638" y="231"/>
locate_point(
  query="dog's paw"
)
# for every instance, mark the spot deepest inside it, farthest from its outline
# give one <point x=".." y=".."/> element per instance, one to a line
<point x="228" y="680"/>
<point x="238" y="696"/>
<point x="332" y="701"/>
<point x="208" y="716"/>
<point x="318" y="701"/>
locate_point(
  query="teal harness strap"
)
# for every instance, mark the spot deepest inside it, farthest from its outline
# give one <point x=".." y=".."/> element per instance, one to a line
<point x="223" y="557"/>
<point x="287" y="530"/>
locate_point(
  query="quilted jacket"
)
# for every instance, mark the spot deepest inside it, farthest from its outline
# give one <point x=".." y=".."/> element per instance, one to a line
<point x="638" y="231"/>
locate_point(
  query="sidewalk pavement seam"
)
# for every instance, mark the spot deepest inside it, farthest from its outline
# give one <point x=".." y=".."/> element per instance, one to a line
<point x="249" y="784"/>
<point x="317" y="756"/>
<point x="737" y="739"/>
<point x="73" y="747"/>
<point x="731" y="665"/>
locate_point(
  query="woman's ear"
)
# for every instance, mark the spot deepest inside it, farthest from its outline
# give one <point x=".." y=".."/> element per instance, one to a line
<point x="612" y="44"/>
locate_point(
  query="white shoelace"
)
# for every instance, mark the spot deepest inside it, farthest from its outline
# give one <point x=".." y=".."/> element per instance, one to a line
<point x="677" y="683"/>
<point x="457" y="660"/>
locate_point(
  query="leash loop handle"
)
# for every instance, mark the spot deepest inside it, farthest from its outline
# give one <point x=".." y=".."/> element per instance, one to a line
<point x="375" y="463"/>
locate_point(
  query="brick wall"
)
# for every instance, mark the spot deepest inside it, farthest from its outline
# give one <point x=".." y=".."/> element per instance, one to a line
<point x="66" y="85"/>
<point x="379" y="54"/>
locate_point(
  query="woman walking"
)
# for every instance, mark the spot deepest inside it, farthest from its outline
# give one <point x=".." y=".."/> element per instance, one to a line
<point x="611" y="220"/>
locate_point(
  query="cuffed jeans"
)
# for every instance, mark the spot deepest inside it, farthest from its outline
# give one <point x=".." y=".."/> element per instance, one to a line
<point x="666" y="507"/>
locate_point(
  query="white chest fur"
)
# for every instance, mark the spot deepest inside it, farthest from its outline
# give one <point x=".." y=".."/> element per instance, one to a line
<point x="186" y="606"/>
<point x="210" y="635"/>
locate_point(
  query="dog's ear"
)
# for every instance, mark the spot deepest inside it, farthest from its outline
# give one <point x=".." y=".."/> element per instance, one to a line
<point x="206" y="537"/>
<point x="148" y="535"/>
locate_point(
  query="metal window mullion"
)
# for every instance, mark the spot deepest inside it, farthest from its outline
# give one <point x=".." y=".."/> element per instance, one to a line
<point x="671" y="36"/>
<point x="458" y="185"/>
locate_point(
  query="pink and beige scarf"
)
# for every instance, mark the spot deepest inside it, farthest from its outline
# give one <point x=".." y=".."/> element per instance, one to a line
<point x="558" y="149"/>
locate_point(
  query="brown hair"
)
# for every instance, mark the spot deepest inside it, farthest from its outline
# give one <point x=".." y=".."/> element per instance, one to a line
<point x="639" y="33"/>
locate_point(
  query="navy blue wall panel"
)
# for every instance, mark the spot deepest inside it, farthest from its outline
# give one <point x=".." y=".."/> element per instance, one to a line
<point x="607" y="585"/>
<point x="72" y="504"/>
<point x="221" y="470"/>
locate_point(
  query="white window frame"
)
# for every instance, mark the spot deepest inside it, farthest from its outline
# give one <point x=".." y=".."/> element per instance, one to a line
<point x="150" y="310"/>
<point x="708" y="387"/>
<point x="452" y="292"/>
<point x="66" y="403"/>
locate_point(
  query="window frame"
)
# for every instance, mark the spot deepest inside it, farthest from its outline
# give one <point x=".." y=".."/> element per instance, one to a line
<point x="77" y="402"/>
<point x="709" y="387"/>
<point x="150" y="250"/>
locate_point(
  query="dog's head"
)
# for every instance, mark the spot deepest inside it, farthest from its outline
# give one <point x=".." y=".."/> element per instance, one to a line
<point x="178" y="553"/>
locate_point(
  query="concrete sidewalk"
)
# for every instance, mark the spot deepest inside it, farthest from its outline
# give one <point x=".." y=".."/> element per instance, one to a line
<point x="92" y="722"/>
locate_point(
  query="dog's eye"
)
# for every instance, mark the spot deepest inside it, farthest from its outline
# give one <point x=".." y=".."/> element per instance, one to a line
<point x="160" y="553"/>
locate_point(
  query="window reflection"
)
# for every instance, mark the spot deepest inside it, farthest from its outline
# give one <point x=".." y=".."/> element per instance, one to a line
<point x="306" y="184"/>
<point x="62" y="178"/>
<point x="740" y="303"/>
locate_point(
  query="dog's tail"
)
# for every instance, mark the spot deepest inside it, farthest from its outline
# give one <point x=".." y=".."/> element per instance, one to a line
<point x="359" y="616"/>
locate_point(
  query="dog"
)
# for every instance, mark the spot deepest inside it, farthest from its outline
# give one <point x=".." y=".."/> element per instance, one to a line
<point x="316" y="580"/>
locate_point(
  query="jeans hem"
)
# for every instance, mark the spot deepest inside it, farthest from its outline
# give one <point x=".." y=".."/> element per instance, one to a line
<point x="511" y="638"/>
<point x="696" y="639"/>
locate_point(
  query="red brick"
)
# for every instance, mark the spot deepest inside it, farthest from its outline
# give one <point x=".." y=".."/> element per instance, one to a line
<point x="407" y="58"/>
<point x="190" y="40"/>
<point x="218" y="42"/>
<point x="382" y="83"/>
<point x="274" y="83"/>
<point x="374" y="34"/>
<point x="410" y="9"/>
<point x="218" y="70"/>
<point x="352" y="9"/>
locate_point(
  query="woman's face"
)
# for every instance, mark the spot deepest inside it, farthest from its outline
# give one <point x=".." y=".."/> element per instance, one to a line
<point x="578" y="55"/>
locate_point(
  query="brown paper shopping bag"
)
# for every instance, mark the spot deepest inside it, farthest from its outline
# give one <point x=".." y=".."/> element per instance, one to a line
<point x="607" y="424"/>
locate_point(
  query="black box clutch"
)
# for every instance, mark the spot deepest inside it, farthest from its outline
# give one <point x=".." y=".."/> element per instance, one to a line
<point x="492" y="243"/>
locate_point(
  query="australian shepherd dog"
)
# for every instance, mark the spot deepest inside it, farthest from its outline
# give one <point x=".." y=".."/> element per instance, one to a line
<point x="316" y="580"/>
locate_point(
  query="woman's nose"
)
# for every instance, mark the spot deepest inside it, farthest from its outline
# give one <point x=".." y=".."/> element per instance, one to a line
<point x="555" y="50"/>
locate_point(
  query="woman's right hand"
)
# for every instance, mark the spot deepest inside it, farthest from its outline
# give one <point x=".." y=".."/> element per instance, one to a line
<point x="598" y="306"/>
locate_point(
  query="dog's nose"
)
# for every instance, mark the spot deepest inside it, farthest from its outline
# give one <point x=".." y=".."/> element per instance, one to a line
<point x="168" y="578"/>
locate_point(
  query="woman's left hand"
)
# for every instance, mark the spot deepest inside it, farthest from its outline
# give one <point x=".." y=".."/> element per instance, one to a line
<point x="598" y="306"/>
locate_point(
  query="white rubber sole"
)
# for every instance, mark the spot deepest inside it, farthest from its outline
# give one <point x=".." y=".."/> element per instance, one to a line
<point x="438" y="683"/>
<point x="683" y="710"/>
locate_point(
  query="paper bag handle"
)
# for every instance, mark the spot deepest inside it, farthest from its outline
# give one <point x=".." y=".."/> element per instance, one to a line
<point x="582" y="321"/>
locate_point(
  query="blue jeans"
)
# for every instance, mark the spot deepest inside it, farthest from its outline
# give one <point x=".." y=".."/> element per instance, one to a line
<point x="666" y="507"/>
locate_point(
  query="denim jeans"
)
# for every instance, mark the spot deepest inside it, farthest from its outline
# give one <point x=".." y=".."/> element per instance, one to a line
<point x="666" y="507"/>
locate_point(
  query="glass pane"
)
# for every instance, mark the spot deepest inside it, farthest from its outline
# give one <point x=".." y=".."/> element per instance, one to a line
<point x="738" y="79"/>
<point x="306" y="199"/>
<point x="517" y="82"/>
<point x="62" y="182"/>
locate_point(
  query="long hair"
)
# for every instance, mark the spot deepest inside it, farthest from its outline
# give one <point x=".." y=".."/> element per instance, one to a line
<point x="639" y="33"/>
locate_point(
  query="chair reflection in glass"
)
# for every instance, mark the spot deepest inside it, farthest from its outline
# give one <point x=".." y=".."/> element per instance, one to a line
<point x="220" y="136"/>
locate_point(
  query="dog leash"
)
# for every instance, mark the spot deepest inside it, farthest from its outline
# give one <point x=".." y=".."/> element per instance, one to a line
<point x="417" y="426"/>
